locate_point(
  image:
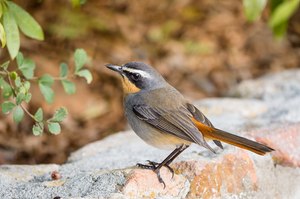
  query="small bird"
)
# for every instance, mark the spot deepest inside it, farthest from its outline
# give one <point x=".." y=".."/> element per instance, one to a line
<point x="162" y="117"/>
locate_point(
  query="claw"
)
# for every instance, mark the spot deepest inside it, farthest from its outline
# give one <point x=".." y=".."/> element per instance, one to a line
<point x="157" y="171"/>
<point x="154" y="166"/>
<point x="171" y="170"/>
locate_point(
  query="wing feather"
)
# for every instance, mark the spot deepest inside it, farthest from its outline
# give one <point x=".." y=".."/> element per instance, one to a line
<point x="176" y="122"/>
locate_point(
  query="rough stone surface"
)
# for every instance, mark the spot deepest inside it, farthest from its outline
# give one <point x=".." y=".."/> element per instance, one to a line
<point x="269" y="111"/>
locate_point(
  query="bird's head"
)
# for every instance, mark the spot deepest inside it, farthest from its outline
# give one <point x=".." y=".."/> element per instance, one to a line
<point x="137" y="76"/>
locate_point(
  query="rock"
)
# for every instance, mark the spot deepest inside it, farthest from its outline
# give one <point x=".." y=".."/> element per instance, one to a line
<point x="137" y="185"/>
<point x="272" y="87"/>
<point x="285" y="140"/>
<point x="106" y="169"/>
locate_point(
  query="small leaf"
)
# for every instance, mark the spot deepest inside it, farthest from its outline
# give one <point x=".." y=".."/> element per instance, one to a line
<point x="59" y="115"/>
<point x="18" y="114"/>
<point x="69" y="86"/>
<point x="26" y="85"/>
<point x="253" y="8"/>
<point x="80" y="58"/>
<point x="54" y="128"/>
<point x="28" y="25"/>
<point x="2" y="36"/>
<point x="45" y="83"/>
<point x="20" y="97"/>
<point x="5" y="65"/>
<point x="7" y="107"/>
<point x="13" y="38"/>
<point x="27" y="68"/>
<point x="18" y="82"/>
<point x="63" y="70"/>
<point x="283" y="12"/>
<point x="38" y="129"/>
<point x="6" y="89"/>
<point x="85" y="74"/>
<point x="27" y="97"/>
<point x="46" y="80"/>
<point x="39" y="115"/>
<point x="47" y="92"/>
<point x="20" y="59"/>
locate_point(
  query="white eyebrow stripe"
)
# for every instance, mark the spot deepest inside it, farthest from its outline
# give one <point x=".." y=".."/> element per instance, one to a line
<point x="142" y="73"/>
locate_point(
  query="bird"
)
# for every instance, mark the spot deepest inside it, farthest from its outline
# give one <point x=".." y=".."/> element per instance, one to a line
<point x="161" y="116"/>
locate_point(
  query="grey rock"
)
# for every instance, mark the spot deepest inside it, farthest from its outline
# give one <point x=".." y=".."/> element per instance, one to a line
<point x="279" y="91"/>
<point x="272" y="87"/>
<point x="99" y="169"/>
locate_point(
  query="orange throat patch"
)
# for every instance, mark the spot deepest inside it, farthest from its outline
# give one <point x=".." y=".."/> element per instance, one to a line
<point x="129" y="87"/>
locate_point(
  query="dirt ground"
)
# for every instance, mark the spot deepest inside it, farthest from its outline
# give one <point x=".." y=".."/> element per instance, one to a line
<point x="203" y="48"/>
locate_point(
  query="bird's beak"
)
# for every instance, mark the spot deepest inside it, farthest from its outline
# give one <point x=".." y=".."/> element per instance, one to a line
<point x="114" y="67"/>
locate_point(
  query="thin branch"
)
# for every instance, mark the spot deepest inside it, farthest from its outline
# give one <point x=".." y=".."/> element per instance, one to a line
<point x="15" y="95"/>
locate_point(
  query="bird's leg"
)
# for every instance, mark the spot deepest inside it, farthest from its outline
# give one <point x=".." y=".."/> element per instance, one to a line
<point x="157" y="166"/>
<point x="177" y="154"/>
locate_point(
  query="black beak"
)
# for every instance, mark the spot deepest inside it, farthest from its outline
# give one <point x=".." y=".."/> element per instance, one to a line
<point x="114" y="67"/>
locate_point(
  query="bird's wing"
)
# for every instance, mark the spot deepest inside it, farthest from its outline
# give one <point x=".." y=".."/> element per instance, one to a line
<point x="176" y="122"/>
<point x="200" y="117"/>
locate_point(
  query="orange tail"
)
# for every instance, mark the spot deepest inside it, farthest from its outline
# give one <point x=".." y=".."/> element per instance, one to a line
<point x="217" y="134"/>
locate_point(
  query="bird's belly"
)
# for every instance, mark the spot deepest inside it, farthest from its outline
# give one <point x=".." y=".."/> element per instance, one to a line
<point x="154" y="136"/>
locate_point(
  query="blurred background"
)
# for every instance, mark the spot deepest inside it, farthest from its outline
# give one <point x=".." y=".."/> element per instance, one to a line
<point x="203" y="48"/>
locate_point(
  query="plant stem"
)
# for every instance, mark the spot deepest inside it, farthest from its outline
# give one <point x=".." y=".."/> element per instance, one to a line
<point x="15" y="95"/>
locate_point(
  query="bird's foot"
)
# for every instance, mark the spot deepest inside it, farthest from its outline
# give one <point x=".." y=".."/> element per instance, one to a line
<point x="155" y="167"/>
<point x="157" y="164"/>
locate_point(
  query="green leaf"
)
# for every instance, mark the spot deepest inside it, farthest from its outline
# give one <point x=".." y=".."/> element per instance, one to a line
<point x="2" y="36"/>
<point x="18" y="114"/>
<point x="6" y="89"/>
<point x="18" y="82"/>
<point x="45" y="83"/>
<point x="28" y="25"/>
<point x="80" y="58"/>
<point x="39" y="115"/>
<point x="59" y="115"/>
<point x="63" y="70"/>
<point x="38" y="129"/>
<point x="20" y="59"/>
<point x="27" y="97"/>
<point x="69" y="86"/>
<point x="26" y="85"/>
<point x="12" y="38"/>
<point x="5" y="65"/>
<point x="54" y="128"/>
<point x="7" y="107"/>
<point x="47" y="92"/>
<point x="85" y="74"/>
<point x="253" y="8"/>
<point x="283" y="12"/>
<point x="46" y="80"/>
<point x="20" y="97"/>
<point x="27" y="68"/>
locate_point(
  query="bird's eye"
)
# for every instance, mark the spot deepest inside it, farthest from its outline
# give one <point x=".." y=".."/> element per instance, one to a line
<point x="135" y="76"/>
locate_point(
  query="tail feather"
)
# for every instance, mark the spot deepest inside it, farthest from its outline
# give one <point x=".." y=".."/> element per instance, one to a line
<point x="244" y="143"/>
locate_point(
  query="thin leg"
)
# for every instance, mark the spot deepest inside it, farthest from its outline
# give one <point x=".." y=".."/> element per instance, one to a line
<point x="177" y="154"/>
<point x="157" y="166"/>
